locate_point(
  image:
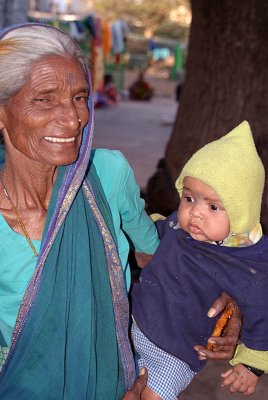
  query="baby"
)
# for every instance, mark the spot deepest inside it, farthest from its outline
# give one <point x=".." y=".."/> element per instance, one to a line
<point x="213" y="243"/>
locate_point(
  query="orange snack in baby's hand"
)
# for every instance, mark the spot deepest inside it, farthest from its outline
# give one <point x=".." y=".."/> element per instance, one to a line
<point x="221" y="323"/>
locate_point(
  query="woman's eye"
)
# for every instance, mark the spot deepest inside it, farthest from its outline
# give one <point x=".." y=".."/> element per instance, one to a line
<point x="214" y="207"/>
<point x="83" y="98"/>
<point x="41" y="99"/>
<point x="44" y="102"/>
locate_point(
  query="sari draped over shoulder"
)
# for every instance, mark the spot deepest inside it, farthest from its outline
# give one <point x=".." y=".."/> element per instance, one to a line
<point x="70" y="340"/>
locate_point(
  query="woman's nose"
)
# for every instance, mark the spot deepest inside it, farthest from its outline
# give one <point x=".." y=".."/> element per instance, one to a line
<point x="69" y="116"/>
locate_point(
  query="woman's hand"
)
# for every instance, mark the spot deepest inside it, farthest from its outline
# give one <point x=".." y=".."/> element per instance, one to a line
<point x="239" y="379"/>
<point x="135" y="392"/>
<point x="142" y="259"/>
<point x="223" y="346"/>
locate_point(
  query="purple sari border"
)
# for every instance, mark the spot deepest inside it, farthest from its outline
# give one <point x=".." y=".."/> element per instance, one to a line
<point x="119" y="292"/>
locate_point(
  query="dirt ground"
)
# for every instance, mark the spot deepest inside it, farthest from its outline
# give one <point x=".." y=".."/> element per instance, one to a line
<point x="141" y="131"/>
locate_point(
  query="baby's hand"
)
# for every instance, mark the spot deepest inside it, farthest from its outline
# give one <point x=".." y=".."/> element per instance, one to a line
<point x="240" y="380"/>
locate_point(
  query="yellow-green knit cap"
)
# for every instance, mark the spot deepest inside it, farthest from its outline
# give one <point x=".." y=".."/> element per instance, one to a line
<point x="233" y="168"/>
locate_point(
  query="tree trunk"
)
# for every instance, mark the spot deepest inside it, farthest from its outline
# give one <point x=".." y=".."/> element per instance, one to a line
<point x="226" y="80"/>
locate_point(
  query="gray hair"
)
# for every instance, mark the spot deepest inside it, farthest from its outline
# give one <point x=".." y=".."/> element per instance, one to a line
<point x="20" y="47"/>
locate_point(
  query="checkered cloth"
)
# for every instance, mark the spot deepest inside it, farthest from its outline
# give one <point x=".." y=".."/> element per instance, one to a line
<point x="167" y="375"/>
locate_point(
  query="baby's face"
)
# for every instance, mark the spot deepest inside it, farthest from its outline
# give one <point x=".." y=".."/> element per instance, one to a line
<point x="201" y="213"/>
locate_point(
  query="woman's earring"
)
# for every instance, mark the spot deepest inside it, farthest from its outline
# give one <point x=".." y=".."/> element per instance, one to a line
<point x="79" y="120"/>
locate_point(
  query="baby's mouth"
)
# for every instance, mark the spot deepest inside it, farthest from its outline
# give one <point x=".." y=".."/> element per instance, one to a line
<point x="194" y="229"/>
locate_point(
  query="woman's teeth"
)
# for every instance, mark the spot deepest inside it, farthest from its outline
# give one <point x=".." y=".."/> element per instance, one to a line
<point x="59" y="140"/>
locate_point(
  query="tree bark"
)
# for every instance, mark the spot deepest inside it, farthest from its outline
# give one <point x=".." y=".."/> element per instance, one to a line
<point x="226" y="80"/>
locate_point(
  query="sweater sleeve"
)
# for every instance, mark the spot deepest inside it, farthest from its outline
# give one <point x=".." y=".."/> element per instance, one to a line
<point x="254" y="358"/>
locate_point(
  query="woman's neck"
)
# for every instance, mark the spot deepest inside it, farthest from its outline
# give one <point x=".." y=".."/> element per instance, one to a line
<point x="28" y="183"/>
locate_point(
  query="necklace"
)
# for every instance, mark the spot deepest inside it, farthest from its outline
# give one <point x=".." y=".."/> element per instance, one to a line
<point x="21" y="224"/>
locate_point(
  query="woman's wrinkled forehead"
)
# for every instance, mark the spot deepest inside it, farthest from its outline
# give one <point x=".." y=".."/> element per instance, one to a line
<point x="55" y="73"/>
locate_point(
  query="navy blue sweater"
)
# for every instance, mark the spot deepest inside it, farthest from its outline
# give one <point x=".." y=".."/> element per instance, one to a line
<point x="183" y="279"/>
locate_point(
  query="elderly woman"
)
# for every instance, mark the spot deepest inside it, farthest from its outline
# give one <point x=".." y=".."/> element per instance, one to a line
<point x="63" y="306"/>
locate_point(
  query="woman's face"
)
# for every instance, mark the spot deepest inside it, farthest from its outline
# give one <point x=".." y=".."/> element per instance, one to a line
<point x="41" y="121"/>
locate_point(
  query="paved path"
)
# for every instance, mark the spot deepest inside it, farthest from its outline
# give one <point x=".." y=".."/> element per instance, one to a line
<point x="140" y="132"/>
<point x="139" y="129"/>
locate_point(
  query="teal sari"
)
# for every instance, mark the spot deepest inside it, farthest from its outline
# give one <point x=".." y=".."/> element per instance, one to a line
<point x="70" y="340"/>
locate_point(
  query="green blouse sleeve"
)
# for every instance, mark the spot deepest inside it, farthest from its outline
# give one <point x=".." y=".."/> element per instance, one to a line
<point x="136" y="224"/>
<point x="123" y="195"/>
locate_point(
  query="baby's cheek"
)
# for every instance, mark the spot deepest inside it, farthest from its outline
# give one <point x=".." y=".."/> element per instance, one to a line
<point x="182" y="217"/>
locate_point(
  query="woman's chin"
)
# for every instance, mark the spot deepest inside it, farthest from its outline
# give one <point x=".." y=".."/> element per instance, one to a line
<point x="61" y="160"/>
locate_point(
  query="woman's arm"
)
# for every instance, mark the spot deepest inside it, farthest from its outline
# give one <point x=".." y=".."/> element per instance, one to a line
<point x="137" y="225"/>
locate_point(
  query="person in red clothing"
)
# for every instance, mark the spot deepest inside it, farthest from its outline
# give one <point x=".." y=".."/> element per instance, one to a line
<point x="141" y="89"/>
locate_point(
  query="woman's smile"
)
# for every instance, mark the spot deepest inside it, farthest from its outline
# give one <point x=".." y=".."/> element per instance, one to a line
<point x="59" y="140"/>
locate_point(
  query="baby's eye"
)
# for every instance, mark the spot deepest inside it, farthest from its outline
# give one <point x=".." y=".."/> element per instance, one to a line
<point x="214" y="207"/>
<point x="189" y="199"/>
